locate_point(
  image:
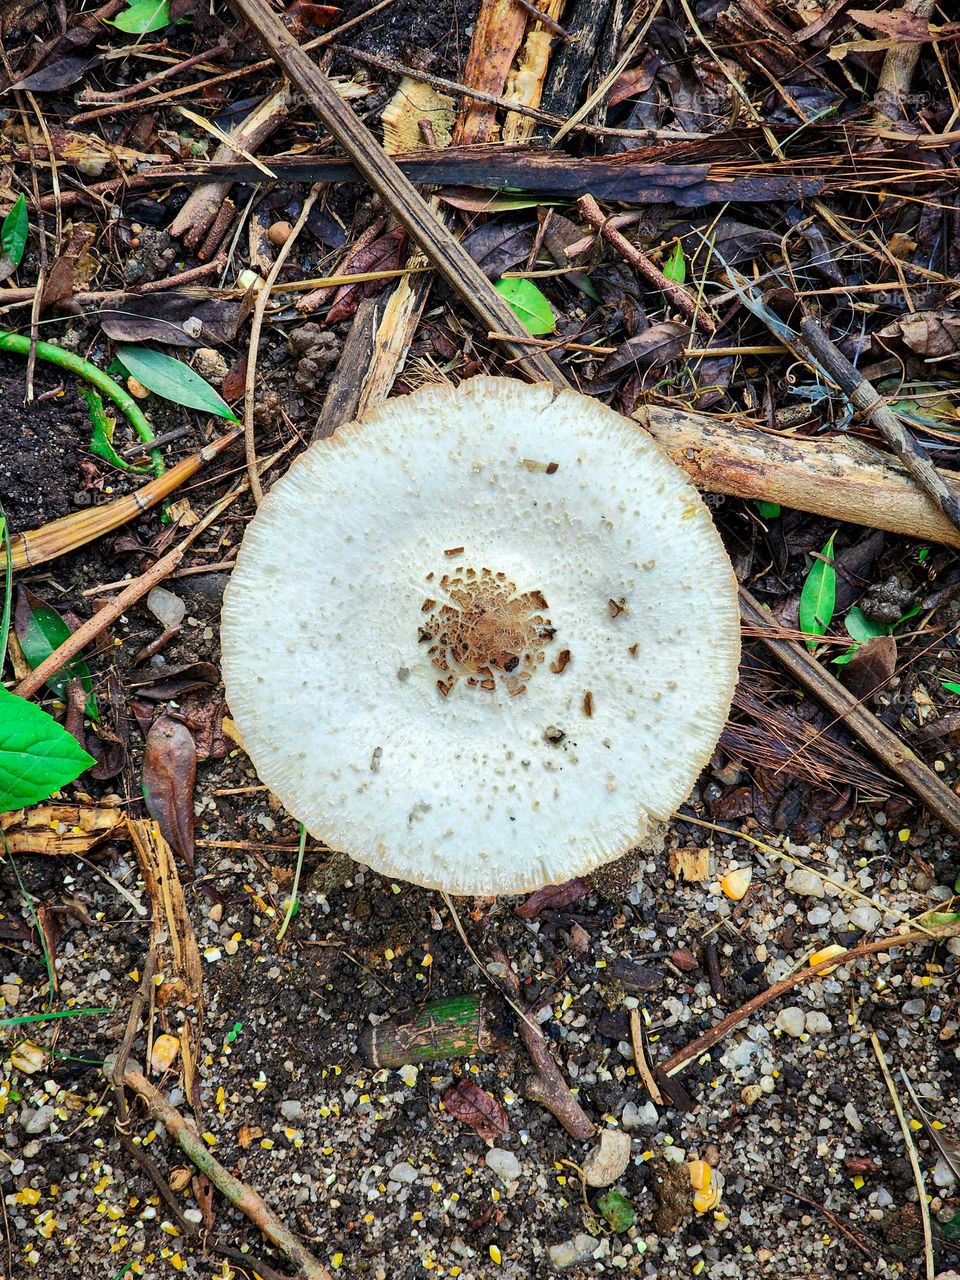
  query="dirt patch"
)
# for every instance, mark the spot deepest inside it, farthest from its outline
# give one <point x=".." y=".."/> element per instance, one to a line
<point x="41" y="443"/>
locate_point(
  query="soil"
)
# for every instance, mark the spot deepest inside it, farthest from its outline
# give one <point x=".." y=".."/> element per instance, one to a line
<point x="40" y="444"/>
<point x="368" y="1166"/>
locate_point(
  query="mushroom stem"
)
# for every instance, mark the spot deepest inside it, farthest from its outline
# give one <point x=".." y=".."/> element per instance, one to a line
<point x="456" y="1027"/>
<point x="546" y="1086"/>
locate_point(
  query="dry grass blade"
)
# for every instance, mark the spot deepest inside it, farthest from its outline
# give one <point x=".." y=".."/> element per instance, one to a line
<point x="912" y="1154"/>
<point x="80" y="527"/>
<point x="948" y="1147"/>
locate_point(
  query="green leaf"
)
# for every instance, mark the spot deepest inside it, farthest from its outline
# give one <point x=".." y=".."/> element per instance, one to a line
<point x="922" y="555"/>
<point x="37" y="755"/>
<point x="173" y="380"/>
<point x="143" y="17"/>
<point x="675" y="267"/>
<point x="7" y="586"/>
<point x="40" y="631"/>
<point x="618" y="1210"/>
<point x="101" y="438"/>
<point x="767" y="510"/>
<point x="860" y="627"/>
<point x="905" y="617"/>
<point x="528" y="304"/>
<point x="13" y="233"/>
<point x="951" y="686"/>
<point x="819" y="595"/>
<point x="845" y="657"/>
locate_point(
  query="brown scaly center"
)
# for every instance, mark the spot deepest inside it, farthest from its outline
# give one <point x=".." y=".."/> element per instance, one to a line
<point x="484" y="631"/>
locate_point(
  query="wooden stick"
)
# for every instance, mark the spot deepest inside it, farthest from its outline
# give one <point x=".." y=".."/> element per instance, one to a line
<point x="650" y="272"/>
<point x="683" y="1057"/>
<point x="835" y="476"/>
<point x="865" y="397"/>
<point x="928" y="1262"/>
<point x="546" y="1086"/>
<point x="240" y="1195"/>
<point x="401" y="196"/>
<point x="249" y="387"/>
<point x="885" y="745"/>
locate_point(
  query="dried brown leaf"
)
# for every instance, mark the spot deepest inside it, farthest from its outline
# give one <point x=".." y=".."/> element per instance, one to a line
<point x="656" y="346"/>
<point x="871" y="668"/>
<point x="386" y="253"/>
<point x="169" y="775"/>
<point x="552" y="896"/>
<point x="466" y="1101"/>
<point x="928" y="333"/>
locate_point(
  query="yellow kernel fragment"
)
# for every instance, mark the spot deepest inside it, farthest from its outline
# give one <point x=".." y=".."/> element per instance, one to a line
<point x="736" y="883"/>
<point x="495" y="1255"/>
<point x="826" y="953"/>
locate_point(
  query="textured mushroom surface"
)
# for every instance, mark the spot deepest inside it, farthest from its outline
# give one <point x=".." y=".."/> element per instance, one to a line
<point x="483" y="639"/>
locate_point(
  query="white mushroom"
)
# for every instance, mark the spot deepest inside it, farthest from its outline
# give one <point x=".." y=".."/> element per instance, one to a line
<point x="482" y="640"/>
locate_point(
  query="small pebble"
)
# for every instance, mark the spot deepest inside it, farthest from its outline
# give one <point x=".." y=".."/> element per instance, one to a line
<point x="39" y="1121"/>
<point x="571" y="1253"/>
<point x="865" y="918"/>
<point x="634" y="1117"/>
<point x="806" y="883"/>
<point x="817" y="1023"/>
<point x="608" y="1160"/>
<point x="913" y="1008"/>
<point x="503" y="1163"/>
<point x="279" y="233"/>
<point x="403" y="1172"/>
<point x="291" y="1109"/>
<point x="791" y="1020"/>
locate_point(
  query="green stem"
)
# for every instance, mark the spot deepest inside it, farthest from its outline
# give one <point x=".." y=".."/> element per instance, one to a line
<point x="456" y="1027"/>
<point x="19" y="344"/>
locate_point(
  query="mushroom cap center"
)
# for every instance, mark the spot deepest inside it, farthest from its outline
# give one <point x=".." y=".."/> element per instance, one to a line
<point x="484" y="630"/>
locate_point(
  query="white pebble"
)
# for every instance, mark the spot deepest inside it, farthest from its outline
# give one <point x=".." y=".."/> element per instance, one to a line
<point x="791" y="1020"/>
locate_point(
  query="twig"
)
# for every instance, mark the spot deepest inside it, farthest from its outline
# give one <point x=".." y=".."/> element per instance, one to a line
<point x="641" y="263"/>
<point x="407" y="204"/>
<point x="547" y="1086"/>
<point x="240" y="1195"/>
<point x="140" y="1000"/>
<point x="912" y="1154"/>
<point x="640" y="1058"/>
<point x="855" y="1237"/>
<point x="939" y="799"/>
<point x="840" y="477"/>
<point x="865" y="397"/>
<point x="899" y="64"/>
<point x="263" y="297"/>
<point x="102" y="619"/>
<point x="683" y="1057"/>
<point x="393" y="67"/>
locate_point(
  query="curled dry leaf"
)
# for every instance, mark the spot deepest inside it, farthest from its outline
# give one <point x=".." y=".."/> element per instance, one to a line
<point x="175" y="682"/>
<point x="466" y="1101"/>
<point x="656" y="346"/>
<point x="169" y="774"/>
<point x="871" y="668"/>
<point x="176" y="317"/>
<point x="386" y="253"/>
<point x="552" y="896"/>
<point x="928" y="333"/>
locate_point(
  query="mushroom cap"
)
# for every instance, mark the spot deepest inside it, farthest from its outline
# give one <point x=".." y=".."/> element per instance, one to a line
<point x="482" y="640"/>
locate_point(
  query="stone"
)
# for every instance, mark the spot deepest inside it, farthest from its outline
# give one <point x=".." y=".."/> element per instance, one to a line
<point x="913" y="1008"/>
<point x="503" y="1163"/>
<point x="291" y="1109"/>
<point x="634" y="1117"/>
<point x="865" y="918"/>
<point x="791" y="1020"/>
<point x="571" y="1253"/>
<point x="608" y="1160"/>
<point x="817" y="1023"/>
<point x="943" y="1176"/>
<point x="403" y="1172"/>
<point x="38" y="1121"/>
<point x="807" y="883"/>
